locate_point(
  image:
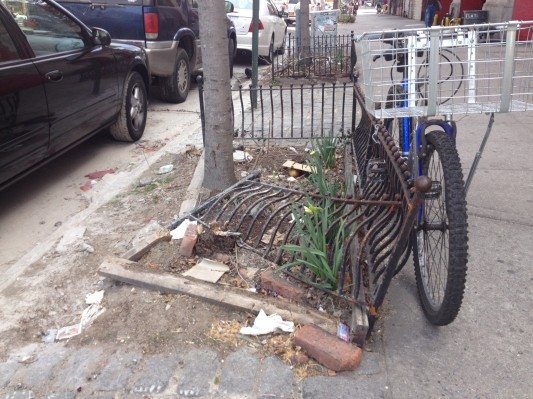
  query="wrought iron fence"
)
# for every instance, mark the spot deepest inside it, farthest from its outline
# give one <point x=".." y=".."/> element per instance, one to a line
<point x="292" y="111"/>
<point x="326" y="57"/>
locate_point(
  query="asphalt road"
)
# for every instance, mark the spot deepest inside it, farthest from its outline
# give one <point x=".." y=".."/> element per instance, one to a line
<point x="34" y="207"/>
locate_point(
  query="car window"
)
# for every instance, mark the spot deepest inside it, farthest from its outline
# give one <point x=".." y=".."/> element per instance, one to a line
<point x="8" y="50"/>
<point x="47" y="29"/>
<point x="169" y="3"/>
<point x="242" y="4"/>
<point x="272" y="8"/>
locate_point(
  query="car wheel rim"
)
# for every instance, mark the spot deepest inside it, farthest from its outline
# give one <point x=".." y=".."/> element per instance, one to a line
<point x="137" y="107"/>
<point x="183" y="76"/>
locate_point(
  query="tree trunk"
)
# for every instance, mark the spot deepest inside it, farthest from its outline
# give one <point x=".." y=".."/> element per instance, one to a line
<point x="219" y="171"/>
<point x="305" y="39"/>
<point x="335" y="4"/>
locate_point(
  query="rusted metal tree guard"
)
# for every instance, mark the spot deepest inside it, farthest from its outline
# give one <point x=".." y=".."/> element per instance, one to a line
<point x="379" y="212"/>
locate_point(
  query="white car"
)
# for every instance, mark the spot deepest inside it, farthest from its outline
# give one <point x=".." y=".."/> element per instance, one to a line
<point x="272" y="27"/>
<point x="291" y="10"/>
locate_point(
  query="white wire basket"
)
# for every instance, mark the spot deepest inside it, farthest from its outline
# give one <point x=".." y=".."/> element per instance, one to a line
<point x="448" y="70"/>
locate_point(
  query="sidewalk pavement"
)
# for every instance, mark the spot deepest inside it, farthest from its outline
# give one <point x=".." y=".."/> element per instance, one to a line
<point x="485" y="353"/>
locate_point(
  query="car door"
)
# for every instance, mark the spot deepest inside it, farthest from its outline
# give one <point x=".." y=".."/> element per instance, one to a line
<point x="24" y="133"/>
<point x="277" y="23"/>
<point x="81" y="81"/>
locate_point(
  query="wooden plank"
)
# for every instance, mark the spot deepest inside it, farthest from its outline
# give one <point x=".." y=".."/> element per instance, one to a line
<point x="298" y="166"/>
<point x="145" y="239"/>
<point x="121" y="269"/>
<point x="359" y="320"/>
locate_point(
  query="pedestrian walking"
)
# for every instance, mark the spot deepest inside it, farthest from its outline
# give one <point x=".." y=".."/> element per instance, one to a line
<point x="355" y="7"/>
<point x="432" y="7"/>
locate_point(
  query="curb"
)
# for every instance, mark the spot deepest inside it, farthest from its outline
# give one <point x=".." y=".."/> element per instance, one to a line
<point x="115" y="184"/>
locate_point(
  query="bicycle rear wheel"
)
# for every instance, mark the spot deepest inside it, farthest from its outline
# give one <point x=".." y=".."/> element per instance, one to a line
<point x="440" y="239"/>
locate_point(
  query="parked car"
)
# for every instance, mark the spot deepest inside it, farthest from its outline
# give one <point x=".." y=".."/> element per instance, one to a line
<point x="291" y="11"/>
<point x="60" y="83"/>
<point x="167" y="29"/>
<point x="272" y="27"/>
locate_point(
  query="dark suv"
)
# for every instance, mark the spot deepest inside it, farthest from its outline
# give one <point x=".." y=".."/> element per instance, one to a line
<point x="60" y="83"/>
<point x="167" y="29"/>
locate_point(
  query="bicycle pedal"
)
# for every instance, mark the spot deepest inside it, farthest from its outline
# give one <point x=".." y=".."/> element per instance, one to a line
<point x="435" y="191"/>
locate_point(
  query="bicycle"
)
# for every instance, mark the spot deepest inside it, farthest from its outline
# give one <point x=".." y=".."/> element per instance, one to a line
<point x="444" y="71"/>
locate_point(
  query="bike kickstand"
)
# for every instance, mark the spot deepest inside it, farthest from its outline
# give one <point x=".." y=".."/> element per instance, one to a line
<point x="479" y="153"/>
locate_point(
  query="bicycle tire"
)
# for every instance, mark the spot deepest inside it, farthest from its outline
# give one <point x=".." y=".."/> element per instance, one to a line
<point x="451" y="202"/>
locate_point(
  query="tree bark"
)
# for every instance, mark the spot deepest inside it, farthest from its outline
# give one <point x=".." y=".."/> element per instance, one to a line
<point x="305" y="39"/>
<point x="218" y="147"/>
<point x="335" y="4"/>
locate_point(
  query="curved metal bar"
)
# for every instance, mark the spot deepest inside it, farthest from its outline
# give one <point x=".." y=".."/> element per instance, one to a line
<point x="257" y="212"/>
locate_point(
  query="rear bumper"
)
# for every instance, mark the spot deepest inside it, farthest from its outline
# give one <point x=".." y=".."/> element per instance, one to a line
<point x="244" y="43"/>
<point x="162" y="57"/>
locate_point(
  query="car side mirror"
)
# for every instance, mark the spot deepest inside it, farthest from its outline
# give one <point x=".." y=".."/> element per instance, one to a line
<point x="101" y="37"/>
<point x="229" y="7"/>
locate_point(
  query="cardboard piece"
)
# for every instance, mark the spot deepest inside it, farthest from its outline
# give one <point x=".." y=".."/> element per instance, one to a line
<point x="207" y="270"/>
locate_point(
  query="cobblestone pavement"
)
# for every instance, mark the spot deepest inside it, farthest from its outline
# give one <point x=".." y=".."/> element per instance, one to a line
<point x="485" y="353"/>
<point x="94" y="372"/>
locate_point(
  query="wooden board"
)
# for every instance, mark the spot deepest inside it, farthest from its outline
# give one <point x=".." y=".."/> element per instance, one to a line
<point x="298" y="166"/>
<point x="121" y="270"/>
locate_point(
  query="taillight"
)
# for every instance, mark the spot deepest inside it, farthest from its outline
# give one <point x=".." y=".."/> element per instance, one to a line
<point x="259" y="26"/>
<point x="151" y="25"/>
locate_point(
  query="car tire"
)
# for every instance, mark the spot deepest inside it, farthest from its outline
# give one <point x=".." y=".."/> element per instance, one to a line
<point x="131" y="120"/>
<point x="231" y="51"/>
<point x="281" y="50"/>
<point x="175" y="88"/>
<point x="270" y="57"/>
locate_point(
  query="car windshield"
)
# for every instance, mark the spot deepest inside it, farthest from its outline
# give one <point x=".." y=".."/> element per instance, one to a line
<point x="243" y="4"/>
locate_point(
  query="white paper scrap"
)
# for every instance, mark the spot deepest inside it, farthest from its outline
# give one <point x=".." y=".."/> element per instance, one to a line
<point x="95" y="298"/>
<point x="90" y="314"/>
<point x="264" y="324"/>
<point x="241" y="156"/>
<point x="179" y="232"/>
<point x="68" y="332"/>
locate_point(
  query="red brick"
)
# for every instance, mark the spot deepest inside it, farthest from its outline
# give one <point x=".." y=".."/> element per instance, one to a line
<point x="327" y="349"/>
<point x="189" y="241"/>
<point x="272" y="282"/>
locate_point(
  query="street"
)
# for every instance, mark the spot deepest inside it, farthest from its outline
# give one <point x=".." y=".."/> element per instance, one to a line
<point x="149" y="344"/>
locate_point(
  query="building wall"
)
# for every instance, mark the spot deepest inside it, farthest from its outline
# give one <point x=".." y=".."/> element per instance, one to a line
<point x="414" y="9"/>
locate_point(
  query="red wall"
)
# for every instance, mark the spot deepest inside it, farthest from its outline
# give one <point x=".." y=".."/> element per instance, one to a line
<point x="523" y="10"/>
<point x="471" y="5"/>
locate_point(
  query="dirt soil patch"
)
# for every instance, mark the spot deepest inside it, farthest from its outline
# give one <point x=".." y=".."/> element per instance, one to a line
<point x="51" y="294"/>
<point x="245" y="265"/>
